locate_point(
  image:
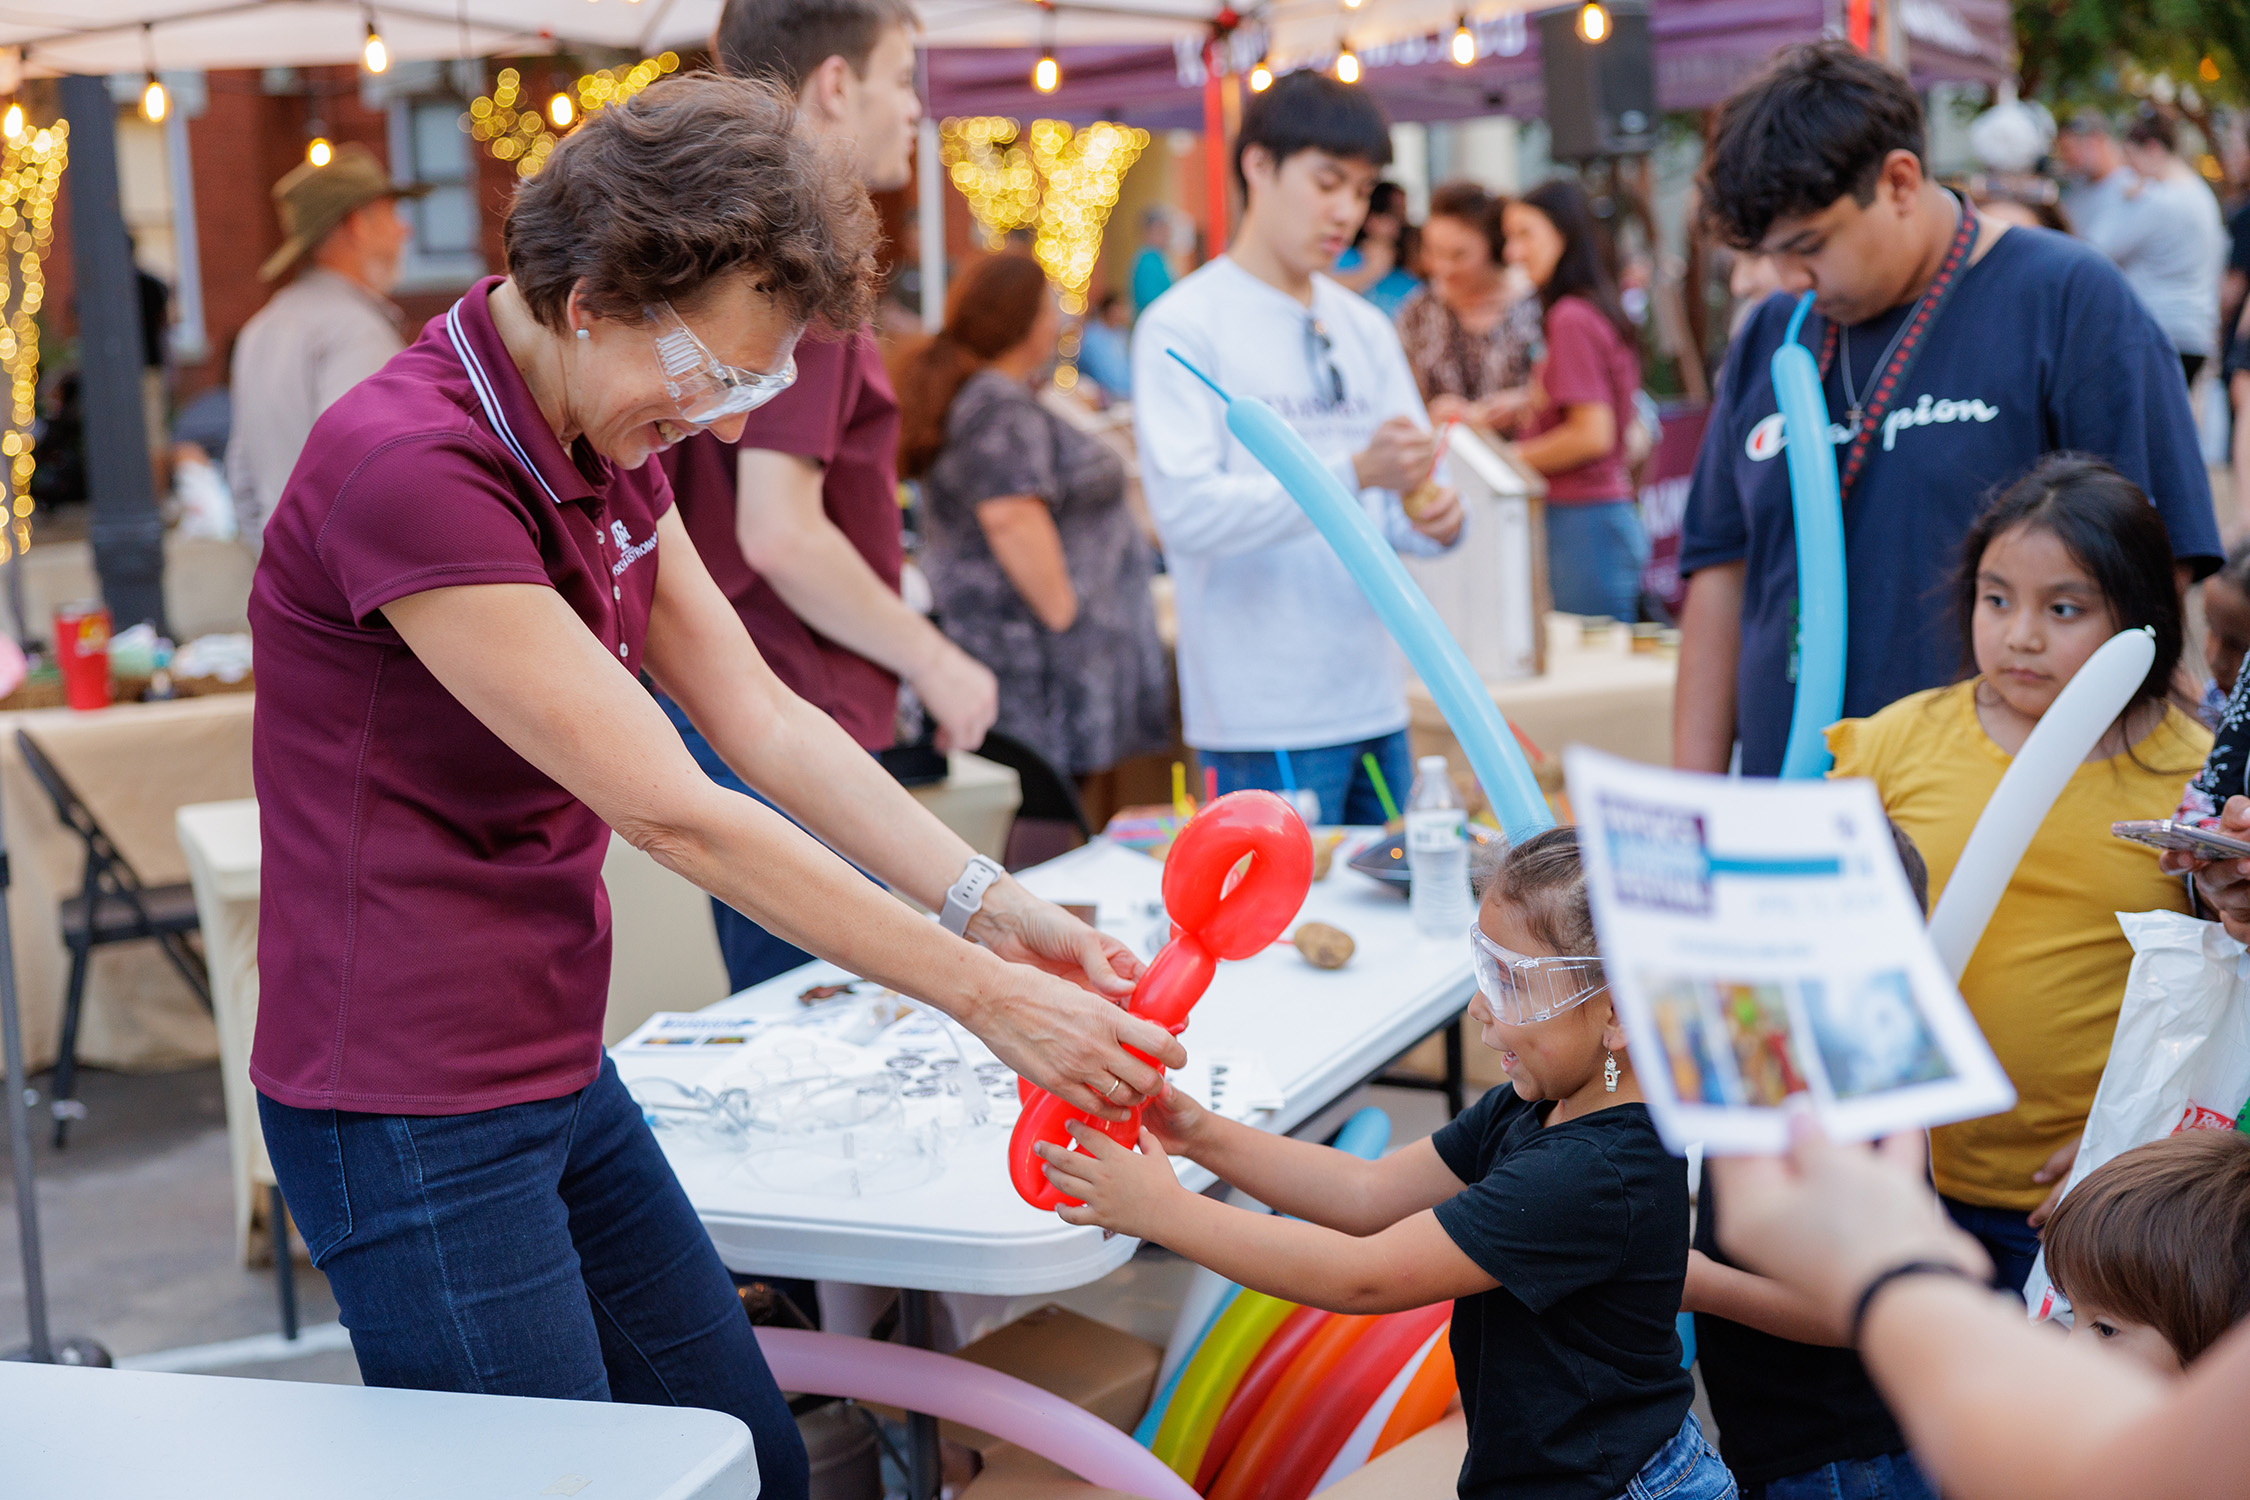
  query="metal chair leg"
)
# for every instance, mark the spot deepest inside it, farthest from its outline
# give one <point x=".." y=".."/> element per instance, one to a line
<point x="64" y="1106"/>
<point x="284" y="1264"/>
<point x="1455" y="1072"/>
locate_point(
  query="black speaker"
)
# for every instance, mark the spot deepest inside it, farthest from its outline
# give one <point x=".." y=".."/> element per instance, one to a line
<point x="1601" y="95"/>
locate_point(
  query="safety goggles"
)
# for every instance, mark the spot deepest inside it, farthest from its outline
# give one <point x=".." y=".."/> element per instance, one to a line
<point x="704" y="390"/>
<point x="1522" y="990"/>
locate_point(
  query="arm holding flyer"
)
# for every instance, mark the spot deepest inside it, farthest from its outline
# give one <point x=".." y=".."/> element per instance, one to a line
<point x="1763" y="946"/>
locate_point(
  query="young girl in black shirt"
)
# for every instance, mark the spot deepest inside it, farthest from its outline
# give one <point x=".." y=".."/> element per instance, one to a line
<point x="1549" y="1212"/>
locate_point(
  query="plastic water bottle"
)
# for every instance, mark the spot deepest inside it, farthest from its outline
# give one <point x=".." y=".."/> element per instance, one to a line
<point x="1437" y="852"/>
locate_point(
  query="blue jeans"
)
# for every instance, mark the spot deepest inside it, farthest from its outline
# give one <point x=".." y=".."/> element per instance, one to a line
<point x="2007" y="1236"/>
<point x="1685" y="1468"/>
<point x="1595" y="553"/>
<point x="752" y="954"/>
<point x="1893" y="1476"/>
<point x="540" y="1249"/>
<point x="1333" y="772"/>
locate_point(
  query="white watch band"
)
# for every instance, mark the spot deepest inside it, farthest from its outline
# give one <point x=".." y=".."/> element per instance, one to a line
<point x="967" y="895"/>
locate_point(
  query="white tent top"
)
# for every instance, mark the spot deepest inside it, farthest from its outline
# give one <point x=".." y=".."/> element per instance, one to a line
<point x="126" y="36"/>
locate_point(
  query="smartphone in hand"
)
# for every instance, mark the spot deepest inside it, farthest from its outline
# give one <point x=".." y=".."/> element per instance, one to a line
<point x="2185" y="838"/>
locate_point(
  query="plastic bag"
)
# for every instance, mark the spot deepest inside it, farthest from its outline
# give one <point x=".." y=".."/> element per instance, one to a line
<point x="2181" y="1059"/>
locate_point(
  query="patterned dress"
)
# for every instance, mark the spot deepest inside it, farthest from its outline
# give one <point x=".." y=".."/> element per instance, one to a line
<point x="1449" y="360"/>
<point x="1099" y="692"/>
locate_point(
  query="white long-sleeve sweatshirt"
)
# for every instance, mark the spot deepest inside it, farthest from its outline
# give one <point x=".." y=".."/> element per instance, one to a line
<point x="1278" y="646"/>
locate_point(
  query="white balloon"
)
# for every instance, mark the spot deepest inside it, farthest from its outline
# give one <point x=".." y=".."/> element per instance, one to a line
<point x="2065" y="735"/>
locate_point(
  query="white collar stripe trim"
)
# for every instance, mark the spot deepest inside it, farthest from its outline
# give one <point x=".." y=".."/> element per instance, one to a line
<point x="485" y="397"/>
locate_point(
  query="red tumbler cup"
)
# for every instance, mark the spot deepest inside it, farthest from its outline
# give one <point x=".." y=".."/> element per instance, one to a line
<point x="82" y="654"/>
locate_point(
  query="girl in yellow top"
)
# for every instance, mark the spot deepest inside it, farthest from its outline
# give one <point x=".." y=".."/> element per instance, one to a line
<point x="2068" y="556"/>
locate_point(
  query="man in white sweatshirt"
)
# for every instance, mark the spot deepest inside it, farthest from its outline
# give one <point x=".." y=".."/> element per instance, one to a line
<point x="1280" y="652"/>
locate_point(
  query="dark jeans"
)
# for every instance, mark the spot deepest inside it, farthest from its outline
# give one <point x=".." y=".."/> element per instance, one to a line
<point x="541" y="1249"/>
<point x="1334" y="772"/>
<point x="1595" y="553"/>
<point x="2007" y="1236"/>
<point x="1893" y="1476"/>
<point x="752" y="954"/>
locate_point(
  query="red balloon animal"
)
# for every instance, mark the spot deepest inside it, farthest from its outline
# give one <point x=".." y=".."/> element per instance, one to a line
<point x="1212" y="918"/>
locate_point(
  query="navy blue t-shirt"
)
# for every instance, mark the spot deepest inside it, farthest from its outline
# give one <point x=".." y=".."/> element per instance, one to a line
<point x="2041" y="348"/>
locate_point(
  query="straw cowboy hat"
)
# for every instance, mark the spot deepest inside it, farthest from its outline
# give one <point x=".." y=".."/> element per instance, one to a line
<point x="313" y="200"/>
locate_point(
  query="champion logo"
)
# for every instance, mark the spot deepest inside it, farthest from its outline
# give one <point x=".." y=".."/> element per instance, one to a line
<point x="1767" y="439"/>
<point x="1929" y="410"/>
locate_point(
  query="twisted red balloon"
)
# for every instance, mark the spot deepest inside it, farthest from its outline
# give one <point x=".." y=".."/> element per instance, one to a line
<point x="1213" y="917"/>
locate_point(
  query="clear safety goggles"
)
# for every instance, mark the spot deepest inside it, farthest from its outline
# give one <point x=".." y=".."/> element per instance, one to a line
<point x="1522" y="990"/>
<point x="704" y="390"/>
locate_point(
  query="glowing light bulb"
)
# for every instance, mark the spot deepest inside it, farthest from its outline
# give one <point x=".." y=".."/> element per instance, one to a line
<point x="1046" y="76"/>
<point x="1464" y="44"/>
<point x="1593" y="21"/>
<point x="155" y="103"/>
<point x="561" y="111"/>
<point x="374" y="55"/>
<point x="1347" y="66"/>
<point x="319" y="152"/>
<point x="1261" y="79"/>
<point x="12" y="126"/>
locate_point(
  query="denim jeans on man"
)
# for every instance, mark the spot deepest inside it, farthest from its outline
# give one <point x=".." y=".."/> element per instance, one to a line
<point x="2007" y="1236"/>
<point x="1686" y="1468"/>
<point x="1892" y="1476"/>
<point x="1333" y="772"/>
<point x="540" y="1249"/>
<point x="1595" y="553"/>
<point x="752" y="954"/>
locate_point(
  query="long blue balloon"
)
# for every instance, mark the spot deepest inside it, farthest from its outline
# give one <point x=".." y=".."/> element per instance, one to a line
<point x="1405" y="611"/>
<point x="1818" y="504"/>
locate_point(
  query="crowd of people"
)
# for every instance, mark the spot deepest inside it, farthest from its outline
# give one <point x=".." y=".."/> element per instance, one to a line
<point x="471" y="662"/>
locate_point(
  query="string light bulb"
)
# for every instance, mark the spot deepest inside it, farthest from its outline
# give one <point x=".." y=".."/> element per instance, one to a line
<point x="155" y="103"/>
<point x="1347" y="65"/>
<point x="1261" y="77"/>
<point x="1464" y="44"/>
<point x="561" y="111"/>
<point x="1046" y="74"/>
<point x="375" y="56"/>
<point x="319" y="152"/>
<point x="1593" y="21"/>
<point x="12" y="126"/>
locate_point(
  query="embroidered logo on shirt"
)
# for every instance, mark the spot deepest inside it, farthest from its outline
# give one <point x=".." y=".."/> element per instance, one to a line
<point x="619" y="535"/>
<point x="627" y="552"/>
<point x="1767" y="439"/>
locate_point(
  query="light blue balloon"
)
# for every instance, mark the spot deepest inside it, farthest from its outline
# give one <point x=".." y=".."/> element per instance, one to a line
<point x="1405" y="611"/>
<point x="1818" y="504"/>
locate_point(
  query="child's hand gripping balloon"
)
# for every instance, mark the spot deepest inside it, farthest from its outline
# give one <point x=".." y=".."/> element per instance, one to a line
<point x="1214" y="917"/>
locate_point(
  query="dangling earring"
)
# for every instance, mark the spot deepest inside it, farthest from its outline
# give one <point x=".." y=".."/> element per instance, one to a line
<point x="1609" y="1073"/>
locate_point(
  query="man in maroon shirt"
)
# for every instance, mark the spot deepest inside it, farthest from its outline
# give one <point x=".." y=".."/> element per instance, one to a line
<point x="798" y="520"/>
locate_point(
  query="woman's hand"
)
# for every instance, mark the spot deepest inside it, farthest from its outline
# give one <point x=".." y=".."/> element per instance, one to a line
<point x="1827" y="1219"/>
<point x="2056" y="1171"/>
<point x="1120" y="1190"/>
<point x="1025" y="929"/>
<point x="1072" y="1044"/>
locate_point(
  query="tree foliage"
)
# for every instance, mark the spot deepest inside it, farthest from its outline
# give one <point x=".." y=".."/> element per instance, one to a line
<point x="2085" y="47"/>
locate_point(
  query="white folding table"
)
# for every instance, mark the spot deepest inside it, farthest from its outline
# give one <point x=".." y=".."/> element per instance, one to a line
<point x="113" y="1434"/>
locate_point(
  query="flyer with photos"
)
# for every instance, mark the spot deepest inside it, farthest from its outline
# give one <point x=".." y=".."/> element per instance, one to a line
<point x="1761" y="941"/>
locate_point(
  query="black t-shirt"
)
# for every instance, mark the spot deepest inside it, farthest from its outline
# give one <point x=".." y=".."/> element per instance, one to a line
<point x="2042" y="347"/>
<point x="1783" y="1408"/>
<point x="1570" y="1369"/>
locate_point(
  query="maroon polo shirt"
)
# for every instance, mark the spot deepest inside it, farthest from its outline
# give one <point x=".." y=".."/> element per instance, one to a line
<point x="842" y="415"/>
<point x="433" y="936"/>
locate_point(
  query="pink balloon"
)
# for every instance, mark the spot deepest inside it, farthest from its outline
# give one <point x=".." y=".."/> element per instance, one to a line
<point x="954" y="1390"/>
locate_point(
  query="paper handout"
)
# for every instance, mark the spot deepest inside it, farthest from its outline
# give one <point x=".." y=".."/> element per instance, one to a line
<point x="1761" y="942"/>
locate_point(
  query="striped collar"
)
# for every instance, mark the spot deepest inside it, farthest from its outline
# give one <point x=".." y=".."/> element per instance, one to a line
<point x="507" y="402"/>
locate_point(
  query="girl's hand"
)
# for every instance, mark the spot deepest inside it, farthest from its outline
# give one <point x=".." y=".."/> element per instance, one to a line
<point x="1177" y="1122"/>
<point x="1025" y="929"/>
<point x="1123" y="1191"/>
<point x="2056" y="1171"/>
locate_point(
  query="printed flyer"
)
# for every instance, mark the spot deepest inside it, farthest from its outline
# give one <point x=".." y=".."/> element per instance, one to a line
<point x="1761" y="943"/>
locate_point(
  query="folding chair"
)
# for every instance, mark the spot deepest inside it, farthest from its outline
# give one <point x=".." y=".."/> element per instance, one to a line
<point x="113" y="905"/>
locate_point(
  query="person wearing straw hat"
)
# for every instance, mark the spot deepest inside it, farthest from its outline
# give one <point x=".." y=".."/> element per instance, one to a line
<point x="323" y="333"/>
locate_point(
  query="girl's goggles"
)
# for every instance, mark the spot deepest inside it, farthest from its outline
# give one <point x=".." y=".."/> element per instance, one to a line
<point x="704" y="390"/>
<point x="1522" y="990"/>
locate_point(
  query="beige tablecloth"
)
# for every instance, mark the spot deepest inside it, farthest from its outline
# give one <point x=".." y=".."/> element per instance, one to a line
<point x="1602" y="695"/>
<point x="135" y="766"/>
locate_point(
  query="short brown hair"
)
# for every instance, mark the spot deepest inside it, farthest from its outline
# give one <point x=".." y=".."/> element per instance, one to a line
<point x="784" y="41"/>
<point x="2161" y="1235"/>
<point x="693" y="179"/>
<point x="1544" y="878"/>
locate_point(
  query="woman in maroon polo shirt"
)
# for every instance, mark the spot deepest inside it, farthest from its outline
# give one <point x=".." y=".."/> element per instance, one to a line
<point x="458" y="590"/>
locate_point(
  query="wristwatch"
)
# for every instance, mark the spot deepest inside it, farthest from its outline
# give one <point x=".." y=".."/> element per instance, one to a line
<point x="966" y="897"/>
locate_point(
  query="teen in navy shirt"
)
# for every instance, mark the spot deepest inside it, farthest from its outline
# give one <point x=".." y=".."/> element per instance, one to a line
<point x="2040" y="346"/>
